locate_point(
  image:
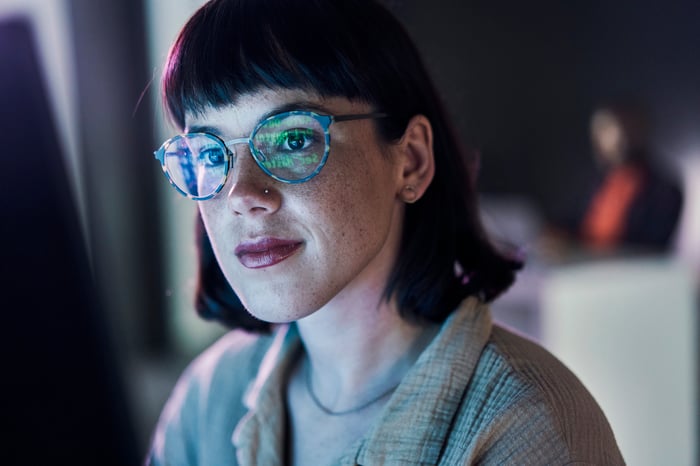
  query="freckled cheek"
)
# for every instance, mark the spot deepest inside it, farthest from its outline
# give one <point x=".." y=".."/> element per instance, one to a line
<point x="354" y="214"/>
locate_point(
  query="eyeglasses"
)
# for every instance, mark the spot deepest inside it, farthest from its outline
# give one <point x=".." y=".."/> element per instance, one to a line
<point x="290" y="147"/>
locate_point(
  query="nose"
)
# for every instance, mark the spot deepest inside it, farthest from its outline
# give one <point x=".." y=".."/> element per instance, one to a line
<point x="249" y="191"/>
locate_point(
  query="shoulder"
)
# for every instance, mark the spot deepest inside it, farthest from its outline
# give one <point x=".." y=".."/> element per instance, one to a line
<point x="227" y="366"/>
<point x="236" y="352"/>
<point x="523" y="404"/>
<point x="207" y="400"/>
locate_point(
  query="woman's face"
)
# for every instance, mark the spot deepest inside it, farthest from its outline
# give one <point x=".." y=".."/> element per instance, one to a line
<point x="290" y="249"/>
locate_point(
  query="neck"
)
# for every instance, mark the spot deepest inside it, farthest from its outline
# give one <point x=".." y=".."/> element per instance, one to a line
<point x="356" y="352"/>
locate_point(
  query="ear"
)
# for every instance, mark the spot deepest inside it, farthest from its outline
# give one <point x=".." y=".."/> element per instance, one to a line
<point x="417" y="161"/>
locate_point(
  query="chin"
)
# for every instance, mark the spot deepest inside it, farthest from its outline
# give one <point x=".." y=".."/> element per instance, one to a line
<point x="278" y="313"/>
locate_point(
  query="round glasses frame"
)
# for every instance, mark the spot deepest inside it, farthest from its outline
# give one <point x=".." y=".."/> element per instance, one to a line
<point x="324" y="120"/>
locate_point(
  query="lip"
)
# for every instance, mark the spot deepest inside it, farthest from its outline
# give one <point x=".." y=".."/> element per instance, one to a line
<point x="265" y="252"/>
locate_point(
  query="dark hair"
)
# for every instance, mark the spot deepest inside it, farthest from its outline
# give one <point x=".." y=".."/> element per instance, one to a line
<point x="354" y="49"/>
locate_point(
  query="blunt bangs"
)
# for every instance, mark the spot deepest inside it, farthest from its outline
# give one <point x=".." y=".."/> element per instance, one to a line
<point x="234" y="47"/>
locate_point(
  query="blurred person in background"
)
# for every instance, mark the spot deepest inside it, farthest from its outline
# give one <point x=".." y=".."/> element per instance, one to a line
<point x="632" y="205"/>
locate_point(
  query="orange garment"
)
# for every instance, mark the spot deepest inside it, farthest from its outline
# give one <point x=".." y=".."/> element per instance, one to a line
<point x="604" y="223"/>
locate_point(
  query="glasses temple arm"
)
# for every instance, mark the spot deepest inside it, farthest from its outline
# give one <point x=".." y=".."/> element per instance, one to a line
<point x="359" y="116"/>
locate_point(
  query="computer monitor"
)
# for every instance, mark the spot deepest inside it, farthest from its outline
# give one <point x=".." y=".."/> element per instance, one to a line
<point x="63" y="386"/>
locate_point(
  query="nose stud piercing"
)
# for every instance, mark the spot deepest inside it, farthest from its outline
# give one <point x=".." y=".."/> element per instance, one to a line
<point x="266" y="191"/>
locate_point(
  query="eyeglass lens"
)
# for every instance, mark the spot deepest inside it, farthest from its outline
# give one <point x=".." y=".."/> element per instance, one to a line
<point x="290" y="147"/>
<point x="196" y="163"/>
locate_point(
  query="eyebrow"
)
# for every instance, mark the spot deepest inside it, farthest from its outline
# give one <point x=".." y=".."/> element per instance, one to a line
<point x="204" y="129"/>
<point x="287" y="107"/>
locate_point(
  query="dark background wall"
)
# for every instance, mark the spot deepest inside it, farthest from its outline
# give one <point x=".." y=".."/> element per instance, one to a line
<point x="521" y="79"/>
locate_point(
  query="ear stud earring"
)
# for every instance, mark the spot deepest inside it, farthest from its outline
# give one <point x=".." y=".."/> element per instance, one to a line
<point x="409" y="194"/>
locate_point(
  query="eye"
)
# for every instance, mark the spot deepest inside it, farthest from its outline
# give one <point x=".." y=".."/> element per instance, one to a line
<point x="296" y="139"/>
<point x="212" y="156"/>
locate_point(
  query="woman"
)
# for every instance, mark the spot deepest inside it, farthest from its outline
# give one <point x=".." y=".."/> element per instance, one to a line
<point x="630" y="205"/>
<point x="633" y="205"/>
<point x="340" y="211"/>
